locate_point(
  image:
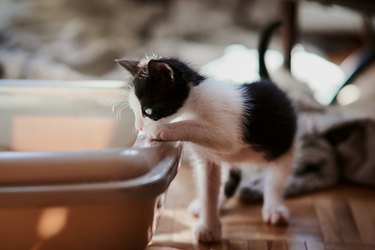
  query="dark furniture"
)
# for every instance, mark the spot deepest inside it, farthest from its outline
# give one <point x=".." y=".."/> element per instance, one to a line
<point x="289" y="9"/>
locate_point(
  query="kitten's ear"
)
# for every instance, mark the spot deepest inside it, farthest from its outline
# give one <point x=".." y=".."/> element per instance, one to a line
<point x="130" y="65"/>
<point x="160" y="70"/>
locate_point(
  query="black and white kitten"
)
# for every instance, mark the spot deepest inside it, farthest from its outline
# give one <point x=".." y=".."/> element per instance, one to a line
<point x="219" y="122"/>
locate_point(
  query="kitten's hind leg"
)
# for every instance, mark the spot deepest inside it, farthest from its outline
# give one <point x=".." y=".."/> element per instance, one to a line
<point x="274" y="211"/>
<point x="209" y="227"/>
<point x="230" y="180"/>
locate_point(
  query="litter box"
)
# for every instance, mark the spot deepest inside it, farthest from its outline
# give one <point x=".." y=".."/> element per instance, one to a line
<point x="69" y="178"/>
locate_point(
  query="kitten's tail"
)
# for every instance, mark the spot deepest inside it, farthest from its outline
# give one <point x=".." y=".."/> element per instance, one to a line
<point x="264" y="41"/>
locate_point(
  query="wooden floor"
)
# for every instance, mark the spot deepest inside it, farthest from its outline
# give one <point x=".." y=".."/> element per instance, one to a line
<point x="342" y="218"/>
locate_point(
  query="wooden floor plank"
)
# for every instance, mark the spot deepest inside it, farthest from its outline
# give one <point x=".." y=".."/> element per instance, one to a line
<point x="342" y="218"/>
<point x="178" y="245"/>
<point x="348" y="246"/>
<point x="315" y="245"/>
<point x="304" y="225"/>
<point x="166" y="222"/>
<point x="327" y="219"/>
<point x="230" y="245"/>
<point x="363" y="218"/>
<point x="182" y="226"/>
<point x="371" y="209"/>
<point x="238" y="245"/>
<point x="257" y="245"/>
<point x="346" y="224"/>
<point x="277" y="245"/>
<point x="296" y="245"/>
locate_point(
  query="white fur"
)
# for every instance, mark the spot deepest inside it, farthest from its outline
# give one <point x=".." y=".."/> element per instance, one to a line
<point x="137" y="110"/>
<point x="212" y="130"/>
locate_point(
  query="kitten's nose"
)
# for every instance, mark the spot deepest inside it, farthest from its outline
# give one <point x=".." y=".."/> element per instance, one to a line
<point x="139" y="125"/>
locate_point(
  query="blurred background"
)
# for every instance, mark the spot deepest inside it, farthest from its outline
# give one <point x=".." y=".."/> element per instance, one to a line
<point x="75" y="40"/>
<point x="62" y="39"/>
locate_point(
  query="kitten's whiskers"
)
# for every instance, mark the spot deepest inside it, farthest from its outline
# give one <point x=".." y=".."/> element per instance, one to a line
<point x="119" y="105"/>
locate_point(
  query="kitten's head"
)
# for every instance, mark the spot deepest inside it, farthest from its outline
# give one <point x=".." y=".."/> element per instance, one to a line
<point x="159" y="87"/>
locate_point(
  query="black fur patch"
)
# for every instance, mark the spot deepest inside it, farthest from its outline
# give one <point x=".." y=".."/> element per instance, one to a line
<point x="163" y="86"/>
<point x="269" y="120"/>
<point x="264" y="40"/>
<point x="232" y="183"/>
<point x="185" y="72"/>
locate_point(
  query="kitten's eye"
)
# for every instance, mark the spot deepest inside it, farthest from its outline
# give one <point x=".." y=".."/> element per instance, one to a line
<point x="148" y="111"/>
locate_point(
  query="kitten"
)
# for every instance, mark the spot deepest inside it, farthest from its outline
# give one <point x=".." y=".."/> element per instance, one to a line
<point x="219" y="122"/>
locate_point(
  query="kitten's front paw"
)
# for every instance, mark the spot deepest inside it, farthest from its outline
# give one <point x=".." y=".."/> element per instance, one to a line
<point x="208" y="233"/>
<point x="157" y="132"/>
<point x="275" y="214"/>
<point x="194" y="207"/>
